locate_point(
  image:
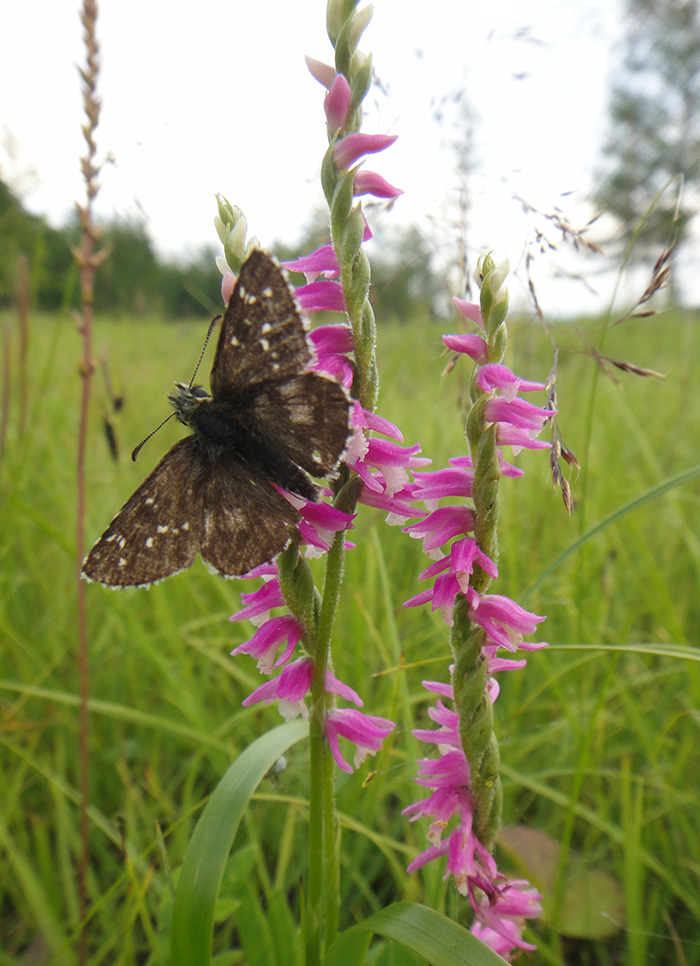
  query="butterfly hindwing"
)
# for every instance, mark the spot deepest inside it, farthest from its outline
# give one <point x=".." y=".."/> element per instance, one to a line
<point x="246" y="521"/>
<point x="192" y="503"/>
<point x="159" y="530"/>
<point x="262" y="335"/>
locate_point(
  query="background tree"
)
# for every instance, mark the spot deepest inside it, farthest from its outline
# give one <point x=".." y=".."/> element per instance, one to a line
<point x="655" y="125"/>
<point x="134" y="280"/>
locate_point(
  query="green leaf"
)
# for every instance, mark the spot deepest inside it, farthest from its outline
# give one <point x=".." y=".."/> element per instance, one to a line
<point x="350" y="948"/>
<point x="207" y="853"/>
<point x="439" y="940"/>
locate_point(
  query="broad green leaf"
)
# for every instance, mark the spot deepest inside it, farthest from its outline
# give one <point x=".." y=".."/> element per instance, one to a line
<point x="207" y="853"/>
<point x="439" y="940"/>
<point x="350" y="948"/>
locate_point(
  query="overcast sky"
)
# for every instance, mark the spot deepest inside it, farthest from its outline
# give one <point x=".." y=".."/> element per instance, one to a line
<point x="219" y="99"/>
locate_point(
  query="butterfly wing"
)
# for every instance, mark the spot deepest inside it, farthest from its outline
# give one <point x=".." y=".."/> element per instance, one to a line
<point x="263" y="350"/>
<point x="210" y="495"/>
<point x="194" y="500"/>
<point x="246" y="521"/>
<point x="310" y="415"/>
<point x="159" y="529"/>
<point x="262" y="335"/>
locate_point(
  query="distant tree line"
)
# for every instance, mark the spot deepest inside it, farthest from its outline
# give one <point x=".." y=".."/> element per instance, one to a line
<point x="134" y="280"/>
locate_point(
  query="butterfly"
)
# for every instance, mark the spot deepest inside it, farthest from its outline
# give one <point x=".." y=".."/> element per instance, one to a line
<point x="268" y="420"/>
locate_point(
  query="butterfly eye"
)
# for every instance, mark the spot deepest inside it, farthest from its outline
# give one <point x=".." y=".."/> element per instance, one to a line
<point x="186" y="400"/>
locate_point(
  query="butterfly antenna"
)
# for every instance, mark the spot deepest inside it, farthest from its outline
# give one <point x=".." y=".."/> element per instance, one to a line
<point x="204" y="349"/>
<point x="137" y="449"/>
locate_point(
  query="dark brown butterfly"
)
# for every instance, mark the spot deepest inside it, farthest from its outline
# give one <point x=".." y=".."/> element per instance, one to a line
<point x="269" y="419"/>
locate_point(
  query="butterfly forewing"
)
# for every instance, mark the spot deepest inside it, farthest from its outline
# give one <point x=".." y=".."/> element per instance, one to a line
<point x="262" y="335"/>
<point x="310" y="413"/>
<point x="159" y="529"/>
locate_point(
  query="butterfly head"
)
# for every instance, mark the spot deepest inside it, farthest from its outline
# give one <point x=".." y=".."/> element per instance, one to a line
<point x="185" y="400"/>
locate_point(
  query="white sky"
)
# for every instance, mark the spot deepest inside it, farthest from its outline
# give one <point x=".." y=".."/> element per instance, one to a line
<point x="219" y="99"/>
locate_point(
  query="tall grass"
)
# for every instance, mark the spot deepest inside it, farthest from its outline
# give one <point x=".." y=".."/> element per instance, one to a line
<point x="598" y="734"/>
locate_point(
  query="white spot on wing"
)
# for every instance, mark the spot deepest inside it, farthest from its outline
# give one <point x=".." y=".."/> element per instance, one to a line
<point x="163" y="529"/>
<point x="265" y="345"/>
<point x="149" y="542"/>
<point x="267" y="292"/>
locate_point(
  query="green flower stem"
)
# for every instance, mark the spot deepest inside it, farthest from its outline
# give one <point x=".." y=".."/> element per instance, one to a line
<point x="476" y="724"/>
<point x="345" y="26"/>
<point x="469" y="676"/>
<point x="324" y="874"/>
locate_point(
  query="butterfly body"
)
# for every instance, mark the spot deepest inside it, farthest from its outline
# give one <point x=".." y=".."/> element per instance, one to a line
<point x="229" y="426"/>
<point x="268" y="421"/>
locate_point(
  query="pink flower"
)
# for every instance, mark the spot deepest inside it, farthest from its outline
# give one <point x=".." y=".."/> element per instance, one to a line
<point x="463" y="555"/>
<point x="452" y="481"/>
<point x="260" y="602"/>
<point x="337" y="104"/>
<point x="320" y="262"/>
<point x="508" y="435"/>
<point x="321" y="296"/>
<point x="228" y="283"/>
<point x="443" y="595"/>
<point x="494" y="376"/>
<point x="460" y="564"/>
<point x="367" y="420"/>
<point x="352" y="147"/>
<point x="397" y="506"/>
<point x="364" y="731"/>
<point x="506" y="942"/>
<point x="472" y="345"/>
<point x="469" y="310"/>
<point x="291" y="687"/>
<point x="441" y="525"/>
<point x="501" y="917"/>
<point x="320" y="522"/>
<point x="391" y="460"/>
<point x="446" y="737"/>
<point x="504" y="621"/>
<point x="264" y="643"/>
<point x="331" y="342"/>
<point x="371" y="183"/>
<point x="517" y="412"/>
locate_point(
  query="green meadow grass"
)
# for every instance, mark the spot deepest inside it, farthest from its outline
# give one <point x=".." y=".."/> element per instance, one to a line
<point x="599" y="734"/>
